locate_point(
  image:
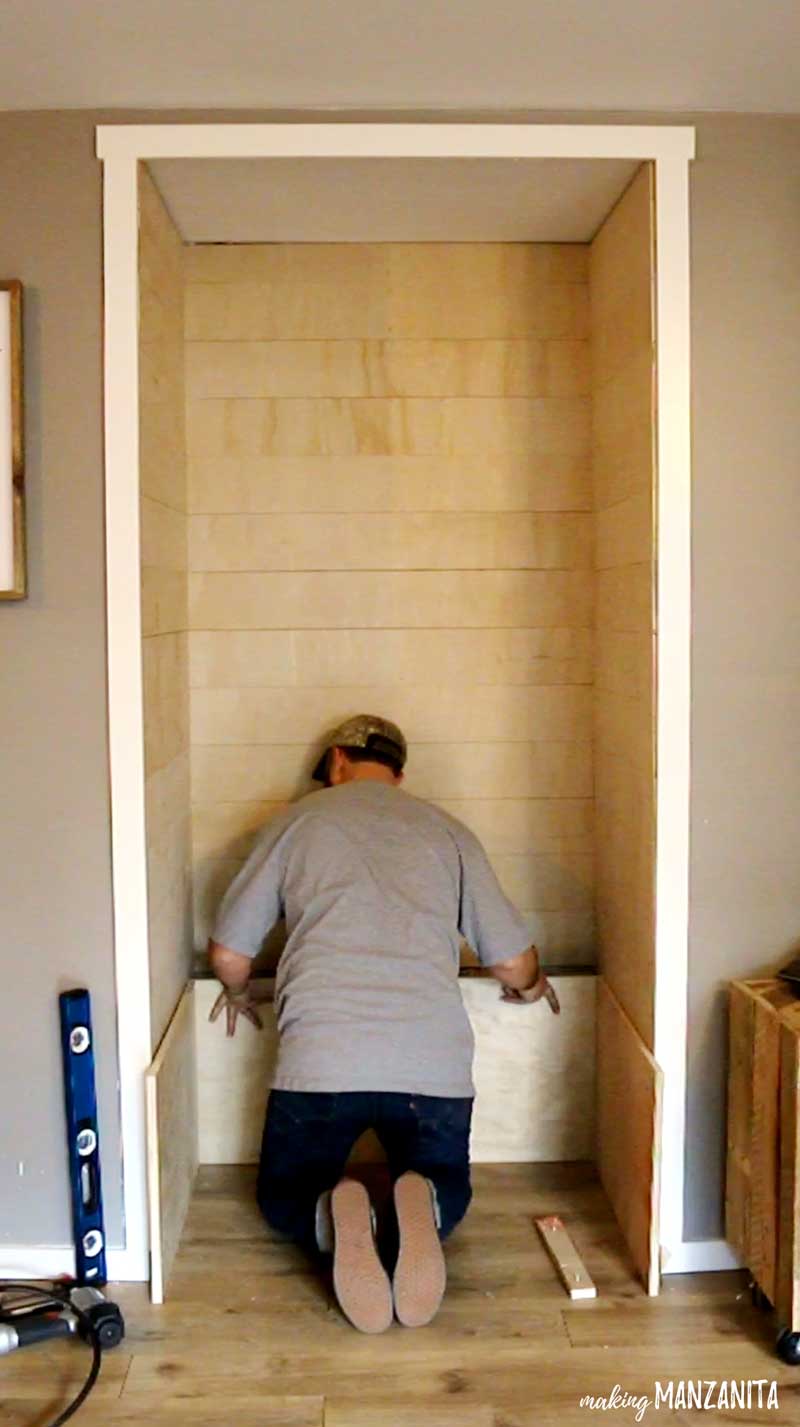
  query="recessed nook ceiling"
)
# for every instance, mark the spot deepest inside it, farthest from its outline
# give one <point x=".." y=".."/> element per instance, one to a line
<point x="390" y="200"/>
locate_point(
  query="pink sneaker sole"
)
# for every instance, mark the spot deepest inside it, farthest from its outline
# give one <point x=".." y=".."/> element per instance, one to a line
<point x="360" y="1281"/>
<point x="420" y="1276"/>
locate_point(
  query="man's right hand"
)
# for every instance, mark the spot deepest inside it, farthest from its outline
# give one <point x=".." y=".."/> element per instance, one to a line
<point x="540" y="988"/>
<point x="235" y="1004"/>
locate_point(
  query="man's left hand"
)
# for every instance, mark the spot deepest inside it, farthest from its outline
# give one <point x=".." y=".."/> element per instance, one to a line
<point x="235" y="1004"/>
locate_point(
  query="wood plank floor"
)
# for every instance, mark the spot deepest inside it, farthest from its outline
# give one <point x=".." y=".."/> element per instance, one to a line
<point x="250" y="1336"/>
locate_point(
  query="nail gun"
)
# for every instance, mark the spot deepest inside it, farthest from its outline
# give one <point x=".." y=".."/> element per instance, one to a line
<point x="31" y="1315"/>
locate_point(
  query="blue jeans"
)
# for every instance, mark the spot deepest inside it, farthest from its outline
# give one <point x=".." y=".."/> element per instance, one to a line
<point x="308" y="1137"/>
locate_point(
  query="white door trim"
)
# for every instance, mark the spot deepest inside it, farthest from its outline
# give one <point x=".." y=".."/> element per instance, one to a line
<point x="673" y="685"/>
<point x="125" y="707"/>
<point x="670" y="148"/>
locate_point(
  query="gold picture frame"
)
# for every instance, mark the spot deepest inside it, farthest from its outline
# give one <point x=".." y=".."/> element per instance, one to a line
<point x="13" y="572"/>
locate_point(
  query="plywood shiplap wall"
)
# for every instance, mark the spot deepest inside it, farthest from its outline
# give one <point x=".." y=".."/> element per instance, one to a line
<point x="621" y="268"/>
<point x="164" y="602"/>
<point x="390" y="510"/>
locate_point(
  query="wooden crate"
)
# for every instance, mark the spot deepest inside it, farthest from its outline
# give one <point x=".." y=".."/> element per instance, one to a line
<point x="762" y="1200"/>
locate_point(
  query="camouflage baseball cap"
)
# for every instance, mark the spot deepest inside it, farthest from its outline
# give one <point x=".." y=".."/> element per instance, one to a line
<point x="364" y="731"/>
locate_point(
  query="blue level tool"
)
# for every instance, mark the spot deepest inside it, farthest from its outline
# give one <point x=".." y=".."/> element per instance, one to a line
<point x="83" y="1141"/>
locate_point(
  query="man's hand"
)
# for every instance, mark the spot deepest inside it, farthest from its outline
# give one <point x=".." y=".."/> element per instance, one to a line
<point x="233" y="969"/>
<point x="524" y="981"/>
<point x="534" y="993"/>
<point x="235" y="1004"/>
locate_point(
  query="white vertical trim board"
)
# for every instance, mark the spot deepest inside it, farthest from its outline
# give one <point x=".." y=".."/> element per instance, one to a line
<point x="125" y="707"/>
<point x="673" y="694"/>
<point x="120" y="147"/>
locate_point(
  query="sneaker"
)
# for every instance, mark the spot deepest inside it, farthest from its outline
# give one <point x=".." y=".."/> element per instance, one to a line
<point x="420" y="1276"/>
<point x="360" y="1281"/>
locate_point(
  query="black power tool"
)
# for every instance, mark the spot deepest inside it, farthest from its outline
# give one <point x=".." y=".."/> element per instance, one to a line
<point x="29" y="1316"/>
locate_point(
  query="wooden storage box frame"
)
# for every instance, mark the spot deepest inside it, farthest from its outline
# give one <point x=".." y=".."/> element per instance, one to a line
<point x="762" y="1199"/>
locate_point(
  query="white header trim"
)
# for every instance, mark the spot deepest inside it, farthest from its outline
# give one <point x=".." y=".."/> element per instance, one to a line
<point x="336" y="140"/>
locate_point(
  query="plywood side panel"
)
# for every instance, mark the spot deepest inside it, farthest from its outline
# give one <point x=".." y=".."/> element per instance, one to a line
<point x="164" y="559"/>
<point x="534" y="1075"/>
<point x="172" y="1141"/>
<point x="629" y="1089"/>
<point x="623" y="426"/>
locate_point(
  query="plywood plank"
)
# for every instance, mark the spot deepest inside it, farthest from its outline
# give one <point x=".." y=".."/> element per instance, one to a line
<point x="434" y="713"/>
<point x="427" y="540"/>
<point x="629" y="1092"/>
<point x="171" y="1109"/>
<point x="534" y="1075"/>
<point x="385" y="426"/>
<point x="374" y="599"/>
<point x="279" y="772"/>
<point x="353" y="367"/>
<point x="312" y="658"/>
<point x="504" y="825"/>
<point x="492" y="481"/>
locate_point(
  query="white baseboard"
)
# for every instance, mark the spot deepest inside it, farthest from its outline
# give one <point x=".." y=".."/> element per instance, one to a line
<point x="36" y="1261"/>
<point x="54" y="1260"/>
<point x="700" y="1256"/>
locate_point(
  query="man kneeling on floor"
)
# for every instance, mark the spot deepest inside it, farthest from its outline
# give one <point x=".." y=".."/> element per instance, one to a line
<point x="377" y="889"/>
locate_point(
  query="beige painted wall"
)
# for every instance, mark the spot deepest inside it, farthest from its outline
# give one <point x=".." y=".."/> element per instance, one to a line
<point x="165" y="656"/>
<point x="55" y="846"/>
<point x="745" y="878"/>
<point x="55" y="879"/>
<point x="388" y="451"/>
<point x="621" y="277"/>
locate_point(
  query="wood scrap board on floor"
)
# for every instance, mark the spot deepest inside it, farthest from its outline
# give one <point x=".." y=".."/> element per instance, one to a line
<point x="629" y="1132"/>
<point x="171" y="1110"/>
<point x="567" y="1261"/>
